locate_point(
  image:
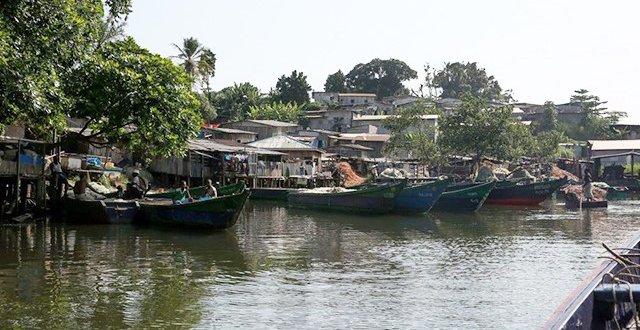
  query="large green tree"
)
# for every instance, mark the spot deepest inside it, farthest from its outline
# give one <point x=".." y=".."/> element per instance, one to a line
<point x="597" y="119"/>
<point x="134" y="98"/>
<point x="292" y="89"/>
<point x="336" y="83"/>
<point x="381" y="77"/>
<point x="235" y="101"/>
<point x="478" y="130"/>
<point x="40" y="42"/>
<point x="412" y="136"/>
<point x="459" y="78"/>
<point x="198" y="61"/>
<point x="286" y="112"/>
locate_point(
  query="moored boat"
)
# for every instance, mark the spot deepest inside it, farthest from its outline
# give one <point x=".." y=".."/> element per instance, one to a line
<point x="105" y="211"/>
<point x="196" y="192"/>
<point x="530" y="194"/>
<point x="271" y="194"/>
<point x="215" y="213"/>
<point x="420" y="197"/>
<point x="573" y="201"/>
<point x="605" y="300"/>
<point x="372" y="198"/>
<point x="465" y="198"/>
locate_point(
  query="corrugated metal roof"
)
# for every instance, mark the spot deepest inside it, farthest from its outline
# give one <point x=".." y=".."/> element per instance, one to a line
<point x="363" y="137"/>
<point x="211" y="145"/>
<point x="356" y="95"/>
<point x="273" y="123"/>
<point x="282" y="142"/>
<point x="230" y="130"/>
<point x="354" y="146"/>
<point x="382" y="117"/>
<point x="600" y="145"/>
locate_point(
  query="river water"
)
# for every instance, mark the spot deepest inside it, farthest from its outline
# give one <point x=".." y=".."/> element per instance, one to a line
<point x="299" y="269"/>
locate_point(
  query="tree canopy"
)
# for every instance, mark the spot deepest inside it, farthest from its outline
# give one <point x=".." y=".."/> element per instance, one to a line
<point x="40" y="42"/>
<point x="459" y="78"/>
<point x="286" y="112"/>
<point x="292" y="89"/>
<point x="411" y="136"/>
<point x="381" y="77"/>
<point x="235" y="101"/>
<point x="597" y="119"/>
<point x="132" y="97"/>
<point x="336" y="83"/>
<point x="476" y="129"/>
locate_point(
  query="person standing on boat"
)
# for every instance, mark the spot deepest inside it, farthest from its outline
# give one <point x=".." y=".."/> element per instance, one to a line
<point x="587" y="185"/>
<point x="182" y="194"/>
<point x="56" y="171"/>
<point x="137" y="185"/>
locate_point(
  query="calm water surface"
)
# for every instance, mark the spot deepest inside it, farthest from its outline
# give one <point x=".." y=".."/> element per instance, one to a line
<point x="296" y="269"/>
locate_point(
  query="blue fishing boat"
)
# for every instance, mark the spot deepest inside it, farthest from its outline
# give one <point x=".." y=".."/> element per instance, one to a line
<point x="420" y="197"/>
<point x="105" y="211"/>
<point x="609" y="298"/>
<point x="464" y="198"/>
<point x="214" y="213"/>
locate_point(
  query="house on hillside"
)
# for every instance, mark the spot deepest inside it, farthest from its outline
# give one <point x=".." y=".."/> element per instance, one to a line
<point x="263" y="128"/>
<point x="348" y="150"/>
<point x="378" y="120"/>
<point x="221" y="133"/>
<point x="374" y="141"/>
<point x="332" y="120"/>
<point x="344" y="99"/>
<point x="567" y="113"/>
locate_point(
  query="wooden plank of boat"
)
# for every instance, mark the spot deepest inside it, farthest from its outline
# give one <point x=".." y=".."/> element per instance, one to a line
<point x="583" y="310"/>
<point x="375" y="198"/>
<point x="523" y="194"/>
<point x="215" y="213"/>
<point x="196" y="192"/>
<point x="106" y="211"/>
<point x="420" y="197"/>
<point x="464" y="198"/>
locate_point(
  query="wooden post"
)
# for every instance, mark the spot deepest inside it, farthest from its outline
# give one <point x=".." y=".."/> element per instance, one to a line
<point x="632" y="163"/>
<point x="17" y="192"/>
<point x="202" y="169"/>
<point x="189" y="168"/>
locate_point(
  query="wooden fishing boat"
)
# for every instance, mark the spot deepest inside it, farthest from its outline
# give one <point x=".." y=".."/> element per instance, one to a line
<point x="106" y="211"/>
<point x="531" y="194"/>
<point x="195" y="192"/>
<point x="420" y="197"/>
<point x="464" y="198"/>
<point x="372" y="198"/>
<point x="605" y="299"/>
<point x="573" y="201"/>
<point x="215" y="213"/>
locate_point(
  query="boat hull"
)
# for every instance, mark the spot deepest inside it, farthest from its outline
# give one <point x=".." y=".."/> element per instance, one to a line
<point x="270" y="194"/>
<point x="379" y="198"/>
<point x="581" y="310"/>
<point x="523" y="195"/>
<point x="99" y="211"/>
<point x="217" y="213"/>
<point x="420" y="197"/>
<point x="466" y="199"/>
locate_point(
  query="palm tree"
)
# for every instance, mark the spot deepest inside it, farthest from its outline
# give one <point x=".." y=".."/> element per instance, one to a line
<point x="190" y="53"/>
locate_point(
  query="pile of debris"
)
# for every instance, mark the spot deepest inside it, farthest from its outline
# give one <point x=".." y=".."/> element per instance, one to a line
<point x="598" y="193"/>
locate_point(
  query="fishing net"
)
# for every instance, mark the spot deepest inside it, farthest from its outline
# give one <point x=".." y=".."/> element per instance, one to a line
<point x="351" y="178"/>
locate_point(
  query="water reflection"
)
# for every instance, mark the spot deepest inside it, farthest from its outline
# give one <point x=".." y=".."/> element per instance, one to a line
<point x="297" y="268"/>
<point x="121" y="276"/>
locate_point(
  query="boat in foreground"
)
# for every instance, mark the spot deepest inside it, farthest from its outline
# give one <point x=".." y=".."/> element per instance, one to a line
<point x="372" y="198"/>
<point x="215" y="213"/>
<point x="105" y="211"/>
<point x="606" y="299"/>
<point x="530" y="194"/>
<point x="572" y="201"/>
<point x="420" y="197"/>
<point x="195" y="192"/>
<point x="464" y="199"/>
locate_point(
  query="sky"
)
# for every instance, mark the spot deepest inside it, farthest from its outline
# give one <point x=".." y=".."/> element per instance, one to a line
<point x="542" y="50"/>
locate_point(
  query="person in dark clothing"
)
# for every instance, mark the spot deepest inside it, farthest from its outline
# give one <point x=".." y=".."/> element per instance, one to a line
<point x="59" y="175"/>
<point x="587" y="185"/>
